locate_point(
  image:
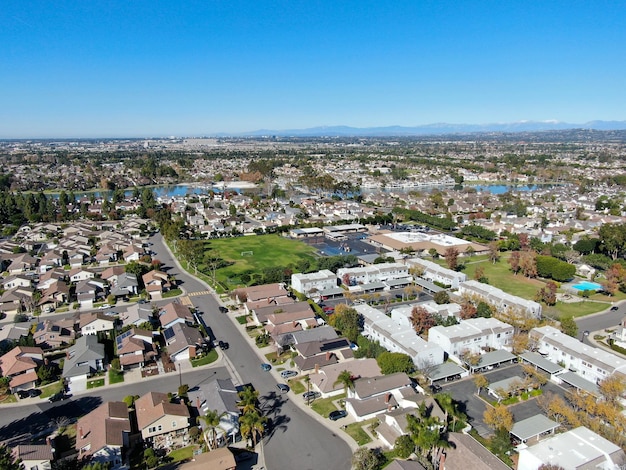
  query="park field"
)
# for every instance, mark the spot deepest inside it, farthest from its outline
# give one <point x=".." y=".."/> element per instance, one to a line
<point x="254" y="253"/>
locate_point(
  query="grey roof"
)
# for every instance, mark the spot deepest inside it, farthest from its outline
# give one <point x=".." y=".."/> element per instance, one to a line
<point x="429" y="286"/>
<point x="372" y="285"/>
<point x="331" y="291"/>
<point x="442" y="371"/>
<point x="541" y="362"/>
<point x="577" y="381"/>
<point x="398" y="282"/>
<point x="218" y="394"/>
<point x="494" y="357"/>
<point x="322" y="333"/>
<point x="371" y="386"/>
<point x="504" y="384"/>
<point x="86" y="350"/>
<point x="533" y="426"/>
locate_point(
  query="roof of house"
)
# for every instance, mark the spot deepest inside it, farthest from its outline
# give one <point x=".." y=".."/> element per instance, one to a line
<point x="466" y="452"/>
<point x="175" y="311"/>
<point x="218" y="459"/>
<point x="19" y="359"/>
<point x="86" y="349"/>
<point x="155" y="405"/>
<point x="42" y="452"/>
<point x="326" y="379"/>
<point x="180" y="336"/>
<point x="265" y="291"/>
<point x="103" y="427"/>
<point x="371" y="386"/>
<point x="89" y="317"/>
<point x="533" y="426"/>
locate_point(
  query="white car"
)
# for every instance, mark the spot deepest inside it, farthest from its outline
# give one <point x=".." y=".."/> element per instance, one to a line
<point x="103" y="306"/>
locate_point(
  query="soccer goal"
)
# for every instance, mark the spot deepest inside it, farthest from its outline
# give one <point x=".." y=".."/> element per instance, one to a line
<point x="247" y="253"/>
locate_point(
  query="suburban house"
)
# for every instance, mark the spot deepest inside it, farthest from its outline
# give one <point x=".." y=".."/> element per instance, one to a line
<point x="56" y="294"/>
<point x="316" y="354"/>
<point x="466" y="453"/>
<point x="393" y="424"/>
<point x="472" y="336"/>
<point x="264" y="291"/>
<point x="34" y="456"/>
<point x="83" y="359"/>
<point x="434" y="273"/>
<point x="313" y="282"/>
<point x="182" y="341"/>
<point x="156" y="282"/>
<point x="92" y="323"/>
<point x="396" y="337"/>
<point x="20" y="365"/>
<point x="175" y="312"/>
<point x="133" y="253"/>
<point x="498" y="298"/>
<point x="252" y="306"/>
<point x="261" y="314"/>
<point x="160" y="422"/>
<point x="22" y="264"/>
<point x="16" y="300"/>
<point x="219" y="395"/>
<point x="374" y="395"/>
<point x="135" y="348"/>
<point x="103" y="434"/>
<point x="80" y="274"/>
<point x="324" y="378"/>
<point x="137" y="314"/>
<point x="577" y="449"/>
<point x="53" y="334"/>
<point x="86" y="293"/>
<point x="217" y="459"/>
<point x="16" y="281"/>
<point x="592" y="364"/>
<point x="280" y="324"/>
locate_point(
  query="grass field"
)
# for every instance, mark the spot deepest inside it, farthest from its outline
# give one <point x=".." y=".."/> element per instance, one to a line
<point x="267" y="251"/>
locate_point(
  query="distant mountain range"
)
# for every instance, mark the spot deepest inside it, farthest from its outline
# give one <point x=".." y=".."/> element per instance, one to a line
<point x="435" y="129"/>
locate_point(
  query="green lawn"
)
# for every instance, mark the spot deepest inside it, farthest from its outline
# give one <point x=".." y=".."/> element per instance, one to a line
<point x="297" y="386"/>
<point x="51" y="389"/>
<point x="95" y="383"/>
<point x="267" y="251"/>
<point x="324" y="406"/>
<point x="203" y="361"/>
<point x="115" y="376"/>
<point x="356" y="432"/>
<point x="180" y="455"/>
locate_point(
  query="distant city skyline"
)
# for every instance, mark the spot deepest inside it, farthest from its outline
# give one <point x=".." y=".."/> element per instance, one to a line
<point x="193" y="68"/>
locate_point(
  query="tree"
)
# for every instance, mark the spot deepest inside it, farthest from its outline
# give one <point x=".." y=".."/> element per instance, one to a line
<point x="494" y="253"/>
<point x="441" y="297"/>
<point x="130" y="400"/>
<point x="498" y="417"/>
<point x="613" y="239"/>
<point x="481" y="382"/>
<point x="392" y="362"/>
<point x="426" y="432"/>
<point x="569" y="326"/>
<point x="519" y="343"/>
<point x="251" y="426"/>
<point x="7" y="461"/>
<point x="612" y="388"/>
<point x="346" y="379"/>
<point x="248" y="400"/>
<point x="514" y="261"/>
<point x="451" y="256"/>
<point x="150" y="458"/>
<point x="365" y="458"/>
<point x="528" y="264"/>
<point x="421" y="320"/>
<point x="347" y="320"/>
<point x="97" y="466"/>
<point x="212" y="421"/>
<point x="484" y="310"/>
<point x="404" y="446"/>
<point x="467" y="310"/>
<point x="479" y="275"/>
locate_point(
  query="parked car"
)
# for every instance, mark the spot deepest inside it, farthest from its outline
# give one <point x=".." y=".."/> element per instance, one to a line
<point x="103" y="306"/>
<point x="288" y="373"/>
<point x="223" y="344"/>
<point x="22" y="393"/>
<point x="60" y="396"/>
<point x="284" y="388"/>
<point x="436" y="388"/>
<point x="337" y="414"/>
<point x="328" y="309"/>
<point x="223" y="309"/>
<point x="614" y="307"/>
<point x="34" y="392"/>
<point x="311" y="395"/>
<point x="265" y="366"/>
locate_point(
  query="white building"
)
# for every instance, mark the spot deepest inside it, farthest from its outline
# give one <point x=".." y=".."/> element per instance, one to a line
<point x="472" y="336"/>
<point x="374" y="273"/>
<point x="402" y="314"/>
<point x="313" y="282"/>
<point x="577" y="449"/>
<point x="434" y="273"/>
<point x="592" y="364"/>
<point x="400" y="338"/>
<point x="499" y="298"/>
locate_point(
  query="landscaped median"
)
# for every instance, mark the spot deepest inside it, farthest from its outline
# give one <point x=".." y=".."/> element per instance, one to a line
<point x="208" y="358"/>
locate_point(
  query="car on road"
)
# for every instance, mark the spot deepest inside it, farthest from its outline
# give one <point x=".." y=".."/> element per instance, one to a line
<point x="311" y="395"/>
<point x="104" y="306"/>
<point x="223" y="345"/>
<point x="328" y="309"/>
<point x="436" y="388"/>
<point x="223" y="309"/>
<point x="614" y="307"/>
<point x="284" y="388"/>
<point x="60" y="396"/>
<point x="265" y="366"/>
<point x="337" y="414"/>
<point x="288" y="373"/>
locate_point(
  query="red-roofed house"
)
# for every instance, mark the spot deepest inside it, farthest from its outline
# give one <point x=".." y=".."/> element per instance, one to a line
<point x="161" y="422"/>
<point x="20" y="364"/>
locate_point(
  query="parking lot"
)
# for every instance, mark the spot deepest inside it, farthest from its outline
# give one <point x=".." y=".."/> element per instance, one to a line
<point x="464" y="392"/>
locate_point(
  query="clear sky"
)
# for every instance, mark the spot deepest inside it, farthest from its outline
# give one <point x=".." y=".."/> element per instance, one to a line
<point x="95" y="68"/>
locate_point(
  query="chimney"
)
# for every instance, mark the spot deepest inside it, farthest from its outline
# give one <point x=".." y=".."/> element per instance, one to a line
<point x="317" y="368"/>
<point x="388" y="398"/>
<point x="328" y="355"/>
<point x="80" y="432"/>
<point x="198" y="402"/>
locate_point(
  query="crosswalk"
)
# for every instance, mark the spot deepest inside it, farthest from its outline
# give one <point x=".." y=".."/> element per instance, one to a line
<point x="202" y="292"/>
<point x="185" y="300"/>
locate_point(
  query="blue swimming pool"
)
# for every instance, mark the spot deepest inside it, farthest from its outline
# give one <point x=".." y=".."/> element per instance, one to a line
<point x="587" y="285"/>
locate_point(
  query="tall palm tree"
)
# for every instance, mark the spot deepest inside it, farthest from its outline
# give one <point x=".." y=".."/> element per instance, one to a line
<point x="251" y="426"/>
<point x="346" y="379"/>
<point x="248" y="400"/>
<point x="212" y="421"/>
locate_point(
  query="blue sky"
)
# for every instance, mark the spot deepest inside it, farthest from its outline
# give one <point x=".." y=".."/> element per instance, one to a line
<point x="158" y="68"/>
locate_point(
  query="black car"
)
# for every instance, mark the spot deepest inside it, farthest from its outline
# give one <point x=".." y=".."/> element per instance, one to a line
<point x="34" y="392"/>
<point x="311" y="395"/>
<point x="614" y="307"/>
<point x="436" y="388"/>
<point x="58" y="397"/>
<point x="223" y="344"/>
<point x="223" y="309"/>
<point x="337" y="414"/>
<point x="284" y="388"/>
<point x="22" y="393"/>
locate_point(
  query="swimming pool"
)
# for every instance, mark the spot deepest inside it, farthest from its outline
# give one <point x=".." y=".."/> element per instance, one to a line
<point x="587" y="285"/>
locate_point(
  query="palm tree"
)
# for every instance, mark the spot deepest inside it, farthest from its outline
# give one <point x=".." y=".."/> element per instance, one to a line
<point x="346" y="379"/>
<point x="251" y="426"/>
<point x="248" y="400"/>
<point x="212" y="421"/>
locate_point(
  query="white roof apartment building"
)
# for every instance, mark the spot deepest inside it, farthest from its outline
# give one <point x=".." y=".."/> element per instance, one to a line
<point x="499" y="298"/>
<point x="592" y="364"/>
<point x="313" y="282"/>
<point x="402" y="314"/>
<point x="374" y="273"/>
<point x="472" y="335"/>
<point x="399" y="338"/>
<point x="434" y="273"/>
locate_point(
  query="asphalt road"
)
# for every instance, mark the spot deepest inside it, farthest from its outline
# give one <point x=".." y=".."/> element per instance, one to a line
<point x="600" y="321"/>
